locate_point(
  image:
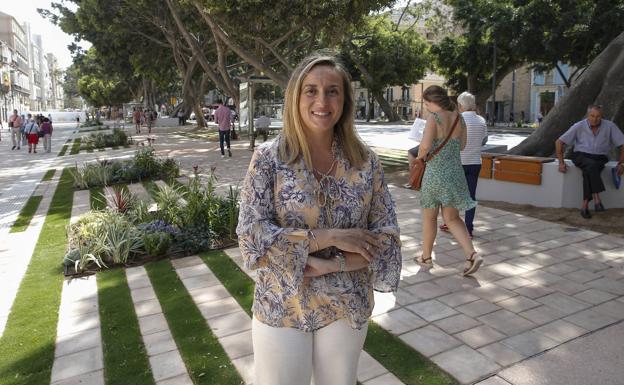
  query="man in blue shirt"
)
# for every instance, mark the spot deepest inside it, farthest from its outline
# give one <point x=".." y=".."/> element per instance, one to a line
<point x="592" y="139"/>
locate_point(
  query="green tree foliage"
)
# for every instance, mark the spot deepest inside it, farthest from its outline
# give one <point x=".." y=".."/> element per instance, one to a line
<point x="387" y="56"/>
<point x="98" y="86"/>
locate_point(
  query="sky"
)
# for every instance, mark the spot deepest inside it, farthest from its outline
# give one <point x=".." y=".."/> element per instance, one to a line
<point x="54" y="40"/>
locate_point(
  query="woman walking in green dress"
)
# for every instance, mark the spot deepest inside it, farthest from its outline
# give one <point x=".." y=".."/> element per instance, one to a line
<point x="444" y="184"/>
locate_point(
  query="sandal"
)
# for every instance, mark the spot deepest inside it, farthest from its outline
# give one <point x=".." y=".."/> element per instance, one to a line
<point x="444" y="227"/>
<point x="425" y="262"/>
<point x="472" y="264"/>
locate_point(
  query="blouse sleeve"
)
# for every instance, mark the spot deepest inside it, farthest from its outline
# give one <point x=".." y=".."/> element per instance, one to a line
<point x="386" y="266"/>
<point x="263" y="242"/>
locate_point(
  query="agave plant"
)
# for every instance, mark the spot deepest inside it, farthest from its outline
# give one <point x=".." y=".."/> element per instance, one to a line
<point x="170" y="201"/>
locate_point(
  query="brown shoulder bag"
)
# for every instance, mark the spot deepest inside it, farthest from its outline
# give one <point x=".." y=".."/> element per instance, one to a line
<point x="418" y="169"/>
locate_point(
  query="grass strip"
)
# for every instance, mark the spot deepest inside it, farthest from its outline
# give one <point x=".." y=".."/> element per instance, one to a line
<point x="97" y="198"/>
<point x="75" y="147"/>
<point x="27" y="346"/>
<point x="125" y="357"/>
<point x="27" y="214"/>
<point x="201" y="351"/>
<point x="399" y="358"/>
<point x="49" y="175"/>
<point x="63" y="150"/>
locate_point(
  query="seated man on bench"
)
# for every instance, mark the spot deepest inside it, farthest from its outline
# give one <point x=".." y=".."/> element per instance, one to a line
<point x="592" y="139"/>
<point x="262" y="125"/>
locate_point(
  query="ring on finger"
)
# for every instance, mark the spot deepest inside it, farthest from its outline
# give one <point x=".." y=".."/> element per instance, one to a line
<point x="367" y="247"/>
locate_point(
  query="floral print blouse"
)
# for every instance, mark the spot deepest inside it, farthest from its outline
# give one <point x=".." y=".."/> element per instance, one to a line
<point x="279" y="204"/>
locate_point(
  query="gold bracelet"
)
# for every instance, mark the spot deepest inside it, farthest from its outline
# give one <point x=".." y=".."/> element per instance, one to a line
<point x="341" y="260"/>
<point x="314" y="239"/>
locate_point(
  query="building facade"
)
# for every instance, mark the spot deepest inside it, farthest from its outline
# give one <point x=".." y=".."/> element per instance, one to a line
<point x="55" y="101"/>
<point x="16" y="45"/>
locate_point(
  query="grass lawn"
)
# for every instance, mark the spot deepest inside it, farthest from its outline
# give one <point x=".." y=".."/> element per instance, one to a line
<point x="125" y="358"/>
<point x="27" y="346"/>
<point x="75" y="147"/>
<point x="404" y="362"/>
<point x="27" y="214"/>
<point x="49" y="175"/>
<point x="205" y="359"/>
<point x="63" y="150"/>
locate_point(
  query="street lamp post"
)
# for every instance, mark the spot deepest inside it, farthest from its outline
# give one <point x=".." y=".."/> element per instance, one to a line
<point x="494" y="84"/>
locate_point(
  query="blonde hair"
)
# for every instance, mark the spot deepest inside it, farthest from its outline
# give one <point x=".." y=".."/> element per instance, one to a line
<point x="294" y="144"/>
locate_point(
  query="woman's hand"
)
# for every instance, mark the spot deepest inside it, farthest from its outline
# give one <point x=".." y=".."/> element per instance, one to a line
<point x="316" y="267"/>
<point x="359" y="241"/>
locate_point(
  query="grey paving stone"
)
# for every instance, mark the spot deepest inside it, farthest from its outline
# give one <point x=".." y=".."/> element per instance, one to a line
<point x="569" y="287"/>
<point x="432" y="310"/>
<point x="72" y="343"/>
<point x="211" y="293"/>
<point x="152" y="324"/>
<point x="609" y="285"/>
<point x="368" y="367"/>
<point x="149" y="307"/>
<point x="75" y="364"/>
<point x="518" y="304"/>
<point x="494" y="380"/>
<point x="542" y="315"/>
<point x="429" y="340"/>
<point x="143" y="294"/>
<point x="506" y="269"/>
<point x="183" y="379"/>
<point x="534" y="291"/>
<point x="506" y="322"/>
<point x="219" y="307"/>
<point x="404" y="297"/>
<point x="493" y="293"/>
<point x="245" y="367"/>
<point x="230" y="324"/>
<point x="480" y="336"/>
<point x="582" y="276"/>
<point x="477" y="308"/>
<point x="560" y="331"/>
<point x="614" y="309"/>
<point x="616" y="273"/>
<point x="541" y="277"/>
<point x="594" y="296"/>
<point x="200" y="281"/>
<point x="157" y="343"/>
<point x="193" y="271"/>
<point x="386" y="379"/>
<point x="427" y="290"/>
<point x="93" y="378"/>
<point x="139" y="282"/>
<point x="78" y="307"/>
<point x="512" y="283"/>
<point x="529" y="343"/>
<point x="560" y="269"/>
<point x="237" y="345"/>
<point x="590" y="319"/>
<point x="562" y="302"/>
<point x="588" y="265"/>
<point x="71" y="325"/>
<point x="458" y="298"/>
<point x="399" y="321"/>
<point x="465" y="364"/>
<point x="501" y="354"/>
<point x="167" y="365"/>
<point x="456" y="323"/>
<point x="186" y="262"/>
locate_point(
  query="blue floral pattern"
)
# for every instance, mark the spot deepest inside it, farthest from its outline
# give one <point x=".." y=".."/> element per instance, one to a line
<point x="279" y="206"/>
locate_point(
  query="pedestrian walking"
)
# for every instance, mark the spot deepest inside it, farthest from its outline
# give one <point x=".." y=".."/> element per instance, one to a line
<point x="318" y="223"/>
<point x="477" y="135"/>
<point x="444" y="184"/>
<point x="46" y="129"/>
<point x="15" y="124"/>
<point x="136" y="117"/>
<point x="31" y="130"/>
<point x="222" y="117"/>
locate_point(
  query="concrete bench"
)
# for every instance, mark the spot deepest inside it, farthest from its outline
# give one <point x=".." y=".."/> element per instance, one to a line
<point x="513" y="168"/>
<point x="556" y="189"/>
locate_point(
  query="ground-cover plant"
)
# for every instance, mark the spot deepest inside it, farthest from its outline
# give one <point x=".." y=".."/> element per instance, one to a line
<point x="27" y="214"/>
<point x="144" y="165"/>
<point x="201" y="351"/>
<point x="125" y="358"/>
<point x="100" y="140"/>
<point x="27" y="345"/>
<point x="389" y="350"/>
<point x="48" y="175"/>
<point x="120" y="199"/>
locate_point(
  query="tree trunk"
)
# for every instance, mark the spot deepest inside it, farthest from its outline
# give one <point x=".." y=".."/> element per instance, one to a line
<point x="602" y="83"/>
<point x="385" y="106"/>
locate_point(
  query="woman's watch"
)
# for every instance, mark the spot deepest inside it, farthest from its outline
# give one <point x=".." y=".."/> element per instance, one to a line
<point x="341" y="260"/>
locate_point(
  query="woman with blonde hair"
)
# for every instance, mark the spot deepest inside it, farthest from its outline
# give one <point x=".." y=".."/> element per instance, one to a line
<point x="318" y="223"/>
<point x="444" y="184"/>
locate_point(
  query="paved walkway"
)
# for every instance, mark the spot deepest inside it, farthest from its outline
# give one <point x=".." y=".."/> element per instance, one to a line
<point x="545" y="291"/>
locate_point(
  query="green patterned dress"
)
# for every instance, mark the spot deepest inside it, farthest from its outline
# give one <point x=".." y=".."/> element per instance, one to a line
<point x="444" y="183"/>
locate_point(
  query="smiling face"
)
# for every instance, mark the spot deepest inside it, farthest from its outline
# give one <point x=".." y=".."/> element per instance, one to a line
<point x="321" y="99"/>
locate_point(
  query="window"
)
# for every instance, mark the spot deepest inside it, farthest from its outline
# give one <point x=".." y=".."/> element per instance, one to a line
<point x="558" y="80"/>
<point x="538" y="78"/>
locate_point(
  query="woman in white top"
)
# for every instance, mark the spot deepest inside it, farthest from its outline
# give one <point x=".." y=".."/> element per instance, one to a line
<point x="471" y="154"/>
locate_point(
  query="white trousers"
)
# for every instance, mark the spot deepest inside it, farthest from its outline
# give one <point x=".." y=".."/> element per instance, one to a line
<point x="47" y="142"/>
<point x="288" y="356"/>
